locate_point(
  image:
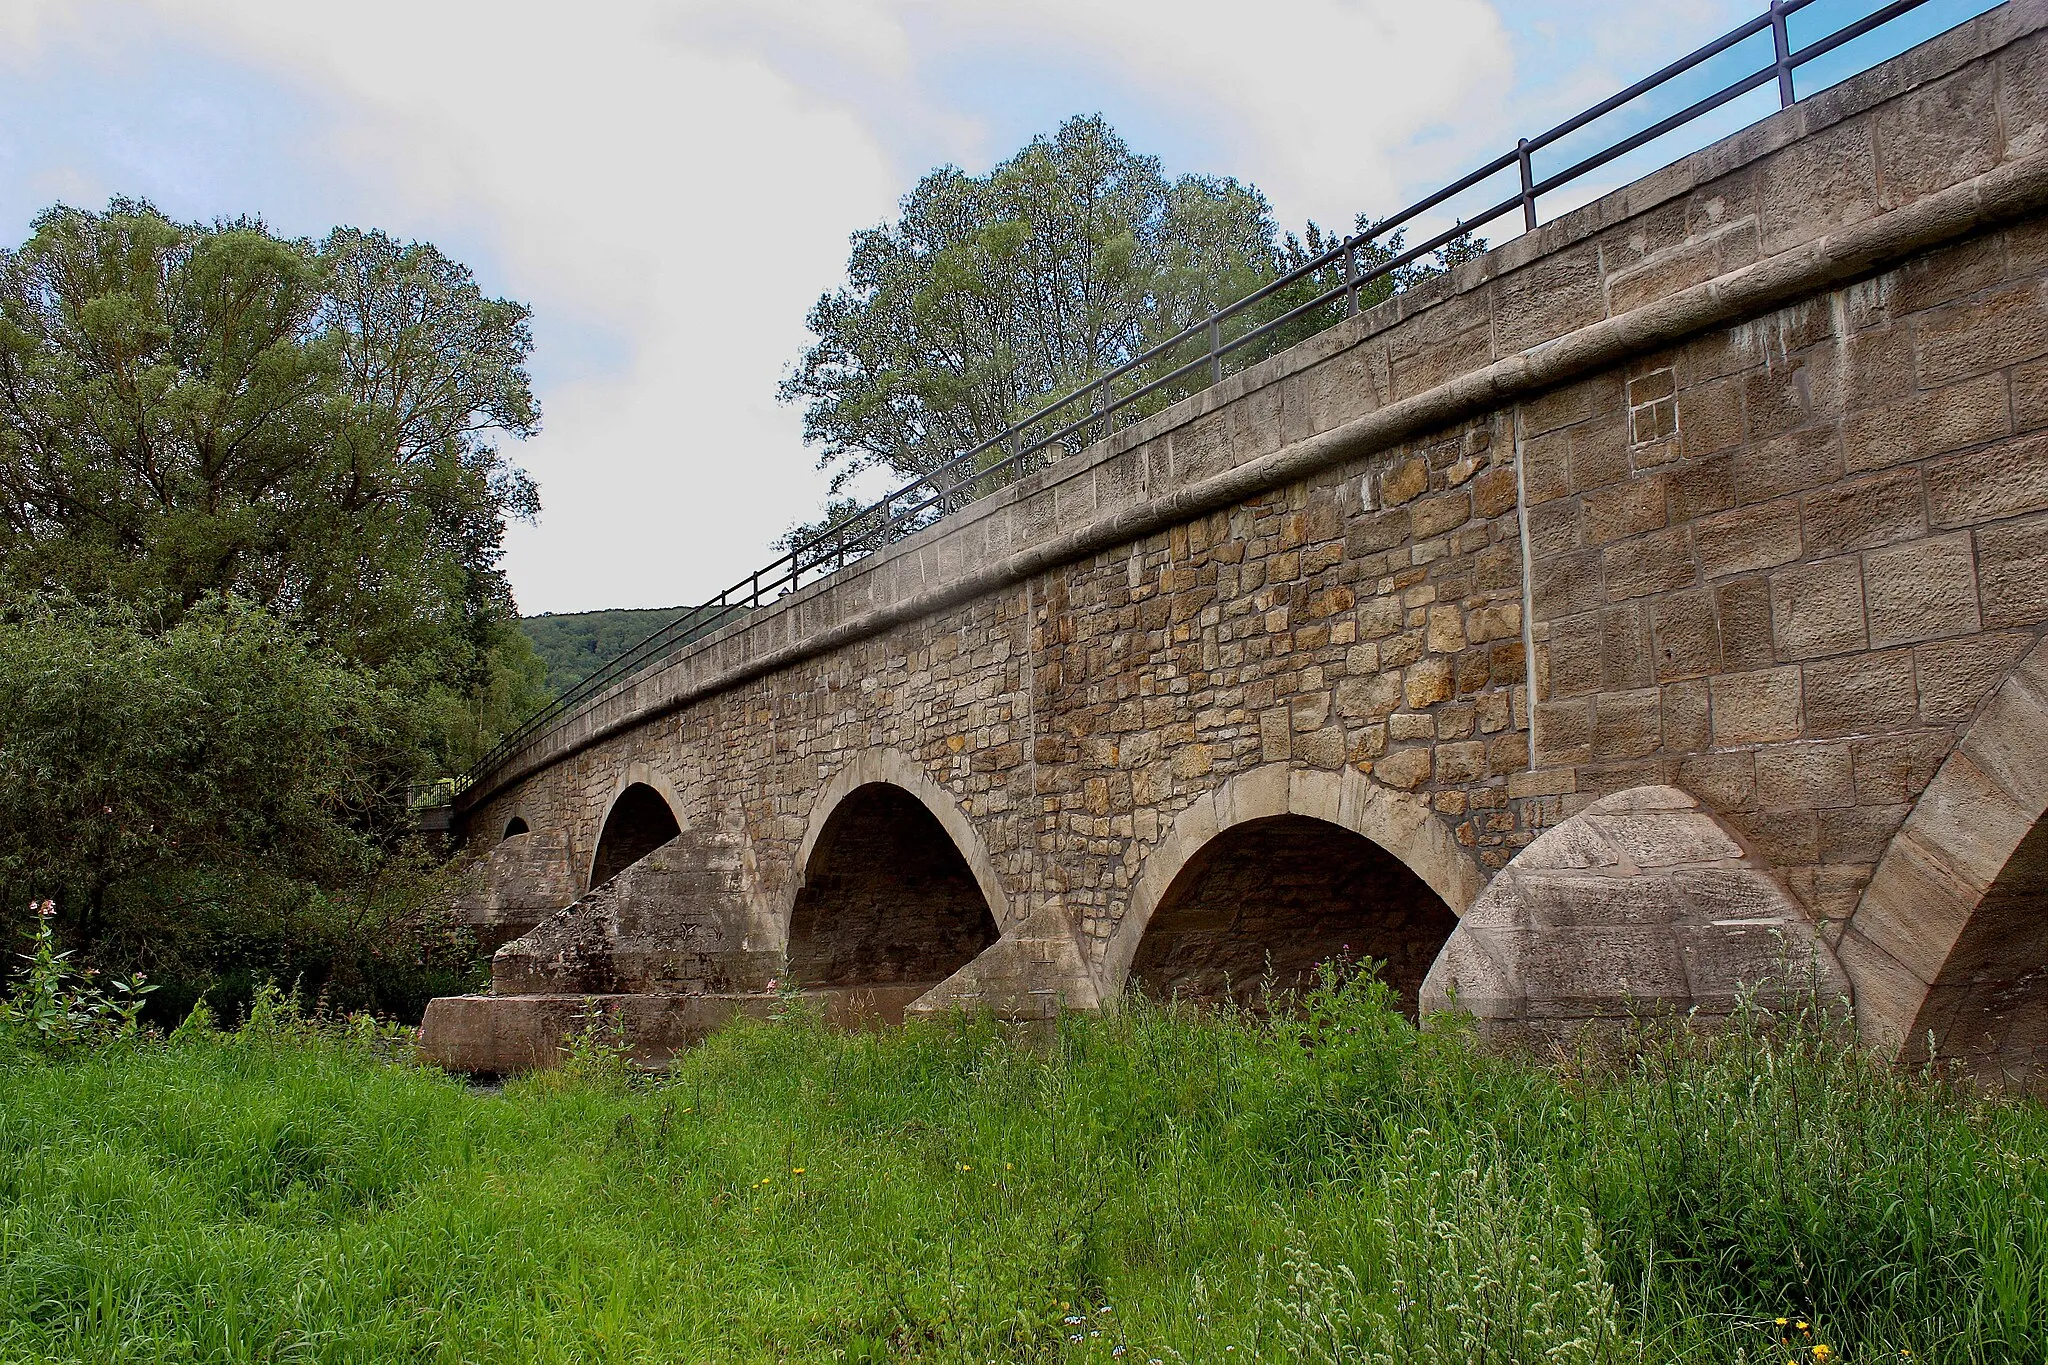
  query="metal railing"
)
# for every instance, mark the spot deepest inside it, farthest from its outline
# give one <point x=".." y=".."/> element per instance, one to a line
<point x="1159" y="375"/>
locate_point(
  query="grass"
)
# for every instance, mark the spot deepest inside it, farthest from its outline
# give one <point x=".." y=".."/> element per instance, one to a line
<point x="1154" y="1185"/>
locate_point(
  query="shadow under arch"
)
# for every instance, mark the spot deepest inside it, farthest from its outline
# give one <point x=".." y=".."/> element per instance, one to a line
<point x="1298" y="865"/>
<point x="895" y="887"/>
<point x="1947" y="951"/>
<point x="515" y="827"/>
<point x="640" y="821"/>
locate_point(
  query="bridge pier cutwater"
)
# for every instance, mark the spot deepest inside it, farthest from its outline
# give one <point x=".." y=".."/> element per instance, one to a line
<point x="1651" y="606"/>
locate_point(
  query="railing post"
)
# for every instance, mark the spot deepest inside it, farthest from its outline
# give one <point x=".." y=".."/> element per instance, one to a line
<point x="1215" y="351"/>
<point x="1351" y="279"/>
<point x="1528" y="185"/>
<point x="754" y="598"/>
<point x="1783" y="43"/>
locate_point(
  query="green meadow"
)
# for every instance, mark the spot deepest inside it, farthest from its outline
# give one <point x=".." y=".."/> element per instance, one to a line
<point x="1155" y="1185"/>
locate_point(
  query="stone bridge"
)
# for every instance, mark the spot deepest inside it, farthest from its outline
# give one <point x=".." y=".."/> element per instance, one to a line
<point x="1651" y="607"/>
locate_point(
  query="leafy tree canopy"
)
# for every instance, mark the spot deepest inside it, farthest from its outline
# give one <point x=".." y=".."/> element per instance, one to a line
<point x="195" y="411"/>
<point x="991" y="295"/>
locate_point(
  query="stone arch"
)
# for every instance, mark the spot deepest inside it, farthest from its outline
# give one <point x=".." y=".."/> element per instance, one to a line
<point x="642" y="815"/>
<point x="1644" y="905"/>
<point x="515" y="827"/>
<point x="1949" y="943"/>
<point x="900" y="770"/>
<point x="894" y="885"/>
<point x="1281" y="799"/>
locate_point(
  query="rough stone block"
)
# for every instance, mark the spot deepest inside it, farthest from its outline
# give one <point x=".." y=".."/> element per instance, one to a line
<point x="1918" y="425"/>
<point x="1817" y="608"/>
<point x="1446" y="631"/>
<point x="1565" y="584"/>
<point x="1627" y="724"/>
<point x="1955" y="675"/>
<point x="1791" y="463"/>
<point x="1687" y="716"/>
<point x="1428" y="682"/>
<point x="1816" y="185"/>
<point x="1661" y="562"/>
<point x="1686" y="637"/>
<point x="1748" y="539"/>
<point x="1937" y="135"/>
<point x="1920" y="591"/>
<point x="1859" y="513"/>
<point x="1860" y="694"/>
<point x="1405" y="769"/>
<point x="1574" y="656"/>
<point x="1999" y="481"/>
<point x="1499" y="622"/>
<point x="1464" y="761"/>
<point x="1623" y="510"/>
<point x="1724" y="781"/>
<point x="2012" y="573"/>
<point x="1743" y="609"/>
<point x="1624" y="650"/>
<point x="1564" y="732"/>
<point x="1984" y="334"/>
<point x="1804" y="776"/>
<point x="1755" y="708"/>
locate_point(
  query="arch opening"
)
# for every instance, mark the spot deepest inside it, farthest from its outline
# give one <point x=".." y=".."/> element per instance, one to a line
<point x="514" y="827"/>
<point x="1269" y="900"/>
<point x="640" y="822"/>
<point x="887" y="898"/>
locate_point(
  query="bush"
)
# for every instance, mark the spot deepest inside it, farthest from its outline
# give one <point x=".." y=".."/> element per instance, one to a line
<point x="217" y="803"/>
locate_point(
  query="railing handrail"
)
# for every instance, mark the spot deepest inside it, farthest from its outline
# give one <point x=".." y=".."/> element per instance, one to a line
<point x="886" y="520"/>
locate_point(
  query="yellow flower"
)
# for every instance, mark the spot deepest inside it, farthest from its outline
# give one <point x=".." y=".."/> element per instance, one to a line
<point x="1821" y="1351"/>
<point x="796" y="1170"/>
<point x="1781" y="1322"/>
<point x="1800" y="1325"/>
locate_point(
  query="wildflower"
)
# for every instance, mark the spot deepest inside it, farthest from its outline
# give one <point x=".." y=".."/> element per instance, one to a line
<point x="1801" y="1325"/>
<point x="1781" y="1322"/>
<point x="1073" y="1319"/>
<point x="796" y="1170"/>
<point x="966" y="1168"/>
<point x="773" y="984"/>
<point x="1821" y="1350"/>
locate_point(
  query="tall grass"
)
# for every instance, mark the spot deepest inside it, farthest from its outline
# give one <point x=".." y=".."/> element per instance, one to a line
<point x="1160" y="1184"/>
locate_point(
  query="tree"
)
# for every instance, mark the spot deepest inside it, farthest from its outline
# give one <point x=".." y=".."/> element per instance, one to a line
<point x="194" y="411"/>
<point x="251" y="517"/>
<point x="990" y="296"/>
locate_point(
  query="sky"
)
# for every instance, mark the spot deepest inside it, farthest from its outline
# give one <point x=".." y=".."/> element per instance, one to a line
<point x="670" y="186"/>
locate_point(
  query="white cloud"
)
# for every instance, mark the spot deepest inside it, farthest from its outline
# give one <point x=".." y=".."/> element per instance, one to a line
<point x="671" y="185"/>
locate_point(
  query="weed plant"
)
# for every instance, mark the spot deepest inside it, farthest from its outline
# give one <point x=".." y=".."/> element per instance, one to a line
<point x="1162" y="1184"/>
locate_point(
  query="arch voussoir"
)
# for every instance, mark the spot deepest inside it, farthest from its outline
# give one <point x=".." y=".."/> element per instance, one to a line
<point x="1947" y="947"/>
